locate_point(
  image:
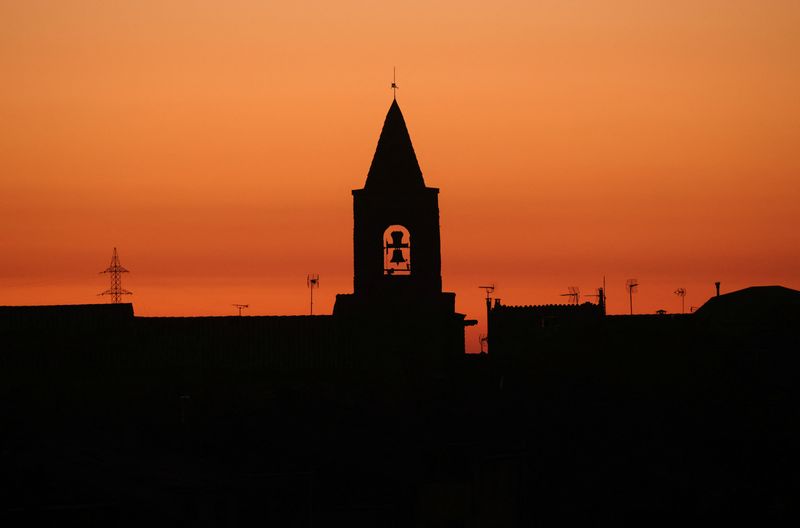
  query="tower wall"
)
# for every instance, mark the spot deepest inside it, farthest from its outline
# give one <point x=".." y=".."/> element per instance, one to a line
<point x="417" y="211"/>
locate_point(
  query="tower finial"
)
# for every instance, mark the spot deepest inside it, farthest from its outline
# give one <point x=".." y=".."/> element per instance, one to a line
<point x="394" y="83"/>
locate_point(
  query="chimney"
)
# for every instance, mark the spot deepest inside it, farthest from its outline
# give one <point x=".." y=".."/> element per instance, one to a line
<point x="717" y="286"/>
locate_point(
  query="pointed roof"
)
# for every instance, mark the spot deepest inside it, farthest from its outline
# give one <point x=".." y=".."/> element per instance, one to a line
<point x="394" y="165"/>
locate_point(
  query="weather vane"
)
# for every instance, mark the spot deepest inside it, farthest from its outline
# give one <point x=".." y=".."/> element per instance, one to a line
<point x="394" y="83"/>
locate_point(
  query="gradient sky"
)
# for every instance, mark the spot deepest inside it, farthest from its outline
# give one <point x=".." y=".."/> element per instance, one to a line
<point x="216" y="144"/>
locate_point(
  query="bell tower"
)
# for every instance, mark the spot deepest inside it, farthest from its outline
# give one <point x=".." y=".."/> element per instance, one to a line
<point x="396" y="244"/>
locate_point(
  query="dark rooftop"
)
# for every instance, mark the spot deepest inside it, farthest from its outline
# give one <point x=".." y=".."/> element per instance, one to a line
<point x="753" y="304"/>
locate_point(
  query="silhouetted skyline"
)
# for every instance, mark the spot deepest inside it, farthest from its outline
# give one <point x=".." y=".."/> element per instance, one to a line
<point x="216" y="147"/>
<point x="374" y="415"/>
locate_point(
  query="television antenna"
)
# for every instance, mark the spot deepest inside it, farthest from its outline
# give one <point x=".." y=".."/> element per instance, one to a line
<point x="489" y="291"/>
<point x="484" y="339"/>
<point x="681" y="292"/>
<point x="574" y="294"/>
<point x="116" y="270"/>
<point x="632" y="286"/>
<point x="312" y="281"/>
<point x="240" y="307"/>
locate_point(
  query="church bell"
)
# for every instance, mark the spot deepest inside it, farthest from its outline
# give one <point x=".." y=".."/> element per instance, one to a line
<point x="397" y="240"/>
<point x="399" y="253"/>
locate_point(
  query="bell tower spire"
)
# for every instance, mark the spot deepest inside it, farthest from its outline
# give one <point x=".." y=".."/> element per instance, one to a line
<point x="396" y="240"/>
<point x="394" y="165"/>
<point x="397" y="269"/>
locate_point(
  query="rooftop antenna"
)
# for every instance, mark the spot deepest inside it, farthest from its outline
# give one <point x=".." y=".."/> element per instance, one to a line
<point x="312" y="281"/>
<point x="601" y="296"/>
<point x="681" y="292"/>
<point x="632" y="285"/>
<point x="489" y="290"/>
<point x="483" y="340"/>
<point x="598" y="295"/>
<point x="116" y="270"/>
<point x="394" y="83"/>
<point x="241" y="307"/>
<point x="574" y="295"/>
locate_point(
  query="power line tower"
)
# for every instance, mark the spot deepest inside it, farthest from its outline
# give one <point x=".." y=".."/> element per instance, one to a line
<point x="632" y="285"/>
<point x="312" y="281"/>
<point x="116" y="270"/>
<point x="241" y="307"/>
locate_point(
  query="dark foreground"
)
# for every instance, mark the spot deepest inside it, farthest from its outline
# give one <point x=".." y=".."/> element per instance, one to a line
<point x="607" y="434"/>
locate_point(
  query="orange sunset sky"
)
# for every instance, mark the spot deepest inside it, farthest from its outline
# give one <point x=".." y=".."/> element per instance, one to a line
<point x="216" y="144"/>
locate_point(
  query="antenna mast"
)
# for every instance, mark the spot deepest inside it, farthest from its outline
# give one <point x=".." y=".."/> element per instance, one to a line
<point x="484" y="339"/>
<point x="601" y="297"/>
<point x="681" y="292"/>
<point x="312" y="281"/>
<point x="631" y="284"/>
<point x="489" y="291"/>
<point x="240" y="307"/>
<point x="116" y="270"/>
<point x="574" y="295"/>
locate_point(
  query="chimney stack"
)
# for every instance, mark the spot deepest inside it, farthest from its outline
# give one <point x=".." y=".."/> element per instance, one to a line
<point x="716" y="284"/>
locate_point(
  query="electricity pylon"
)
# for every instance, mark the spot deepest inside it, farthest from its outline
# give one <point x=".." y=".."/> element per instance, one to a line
<point x="116" y="270"/>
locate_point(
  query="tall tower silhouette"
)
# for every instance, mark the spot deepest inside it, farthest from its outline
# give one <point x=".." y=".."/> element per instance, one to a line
<point x="397" y="276"/>
<point x="396" y="244"/>
<point x="115" y="270"/>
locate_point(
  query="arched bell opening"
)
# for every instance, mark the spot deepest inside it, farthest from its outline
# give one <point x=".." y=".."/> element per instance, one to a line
<point x="396" y="251"/>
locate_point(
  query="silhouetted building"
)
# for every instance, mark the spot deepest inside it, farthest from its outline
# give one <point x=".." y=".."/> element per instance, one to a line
<point x="398" y="298"/>
<point x="757" y="306"/>
<point x="519" y="331"/>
